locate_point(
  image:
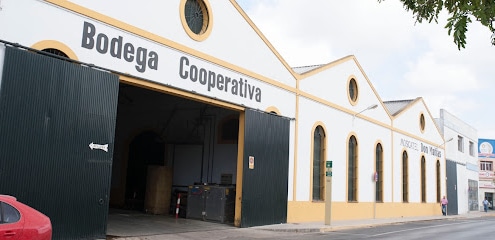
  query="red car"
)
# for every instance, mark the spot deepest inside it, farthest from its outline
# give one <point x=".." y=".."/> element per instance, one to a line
<point x="21" y="222"/>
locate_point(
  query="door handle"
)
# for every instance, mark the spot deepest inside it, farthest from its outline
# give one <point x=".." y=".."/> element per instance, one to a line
<point x="10" y="233"/>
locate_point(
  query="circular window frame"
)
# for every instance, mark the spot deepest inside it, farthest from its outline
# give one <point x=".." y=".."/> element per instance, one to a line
<point x="207" y="20"/>
<point x="47" y="44"/>
<point x="352" y="99"/>
<point x="422" y="122"/>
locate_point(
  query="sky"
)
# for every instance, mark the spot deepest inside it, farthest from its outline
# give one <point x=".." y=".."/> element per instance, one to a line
<point x="401" y="58"/>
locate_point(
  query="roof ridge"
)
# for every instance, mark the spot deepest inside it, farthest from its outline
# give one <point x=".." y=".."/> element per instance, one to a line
<point x="314" y="65"/>
<point x="403" y="100"/>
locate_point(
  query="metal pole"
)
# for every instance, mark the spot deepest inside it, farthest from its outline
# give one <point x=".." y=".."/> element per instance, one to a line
<point x="328" y="193"/>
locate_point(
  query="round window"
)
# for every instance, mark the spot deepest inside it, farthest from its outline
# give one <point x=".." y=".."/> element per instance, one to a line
<point x="422" y="122"/>
<point x="353" y="90"/>
<point x="196" y="18"/>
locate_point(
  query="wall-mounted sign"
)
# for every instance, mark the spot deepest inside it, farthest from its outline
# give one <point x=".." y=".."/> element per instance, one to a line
<point x="485" y="174"/>
<point x="130" y="54"/>
<point x="423" y="147"/>
<point x="485" y="148"/>
<point x="94" y="146"/>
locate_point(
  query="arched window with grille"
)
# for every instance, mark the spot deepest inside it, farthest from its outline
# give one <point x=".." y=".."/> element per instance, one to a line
<point x="405" y="177"/>
<point x="318" y="164"/>
<point x="352" y="170"/>
<point x="55" y="52"/>
<point x="423" y="179"/>
<point x="379" y="171"/>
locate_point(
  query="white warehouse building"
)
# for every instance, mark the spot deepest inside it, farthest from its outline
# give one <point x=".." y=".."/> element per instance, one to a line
<point x="171" y="98"/>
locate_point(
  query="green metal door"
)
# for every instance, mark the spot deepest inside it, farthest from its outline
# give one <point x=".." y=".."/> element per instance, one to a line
<point x="265" y="169"/>
<point x="57" y="122"/>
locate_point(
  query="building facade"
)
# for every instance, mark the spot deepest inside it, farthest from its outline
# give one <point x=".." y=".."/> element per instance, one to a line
<point x="129" y="104"/>
<point x="462" y="164"/>
<point x="486" y="174"/>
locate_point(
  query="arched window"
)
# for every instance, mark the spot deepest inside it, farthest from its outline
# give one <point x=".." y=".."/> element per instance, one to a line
<point x="405" y="178"/>
<point x="319" y="164"/>
<point x="55" y="52"/>
<point x="423" y="179"/>
<point x="379" y="171"/>
<point x="352" y="170"/>
<point x="438" y="181"/>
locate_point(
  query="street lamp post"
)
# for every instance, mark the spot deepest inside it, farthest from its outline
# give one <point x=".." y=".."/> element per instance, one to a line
<point x="366" y="109"/>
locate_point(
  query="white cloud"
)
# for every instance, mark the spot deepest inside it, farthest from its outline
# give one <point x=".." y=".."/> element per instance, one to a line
<point x="402" y="59"/>
<point x="430" y="74"/>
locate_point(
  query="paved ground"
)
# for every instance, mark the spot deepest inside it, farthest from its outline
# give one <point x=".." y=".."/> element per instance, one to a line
<point x="139" y="226"/>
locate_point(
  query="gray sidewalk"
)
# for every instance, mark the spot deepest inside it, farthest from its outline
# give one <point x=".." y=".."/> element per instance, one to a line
<point x="347" y="224"/>
<point x="146" y="227"/>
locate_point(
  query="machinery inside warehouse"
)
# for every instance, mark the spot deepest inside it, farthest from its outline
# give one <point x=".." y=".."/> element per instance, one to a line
<point x="169" y="147"/>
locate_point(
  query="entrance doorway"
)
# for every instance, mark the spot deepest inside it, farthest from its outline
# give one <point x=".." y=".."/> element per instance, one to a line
<point x="164" y="145"/>
<point x="489" y="197"/>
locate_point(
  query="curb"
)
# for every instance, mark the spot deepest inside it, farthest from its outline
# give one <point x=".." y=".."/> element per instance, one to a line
<point x="364" y="225"/>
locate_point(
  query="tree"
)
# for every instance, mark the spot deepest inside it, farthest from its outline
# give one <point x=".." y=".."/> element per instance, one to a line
<point x="460" y="12"/>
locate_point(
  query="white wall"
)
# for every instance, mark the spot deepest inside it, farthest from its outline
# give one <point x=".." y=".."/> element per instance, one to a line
<point x="338" y="128"/>
<point x="232" y="38"/>
<point x="452" y="128"/>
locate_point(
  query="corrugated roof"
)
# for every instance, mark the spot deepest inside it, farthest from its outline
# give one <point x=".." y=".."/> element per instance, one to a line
<point x="305" y="69"/>
<point x="396" y="106"/>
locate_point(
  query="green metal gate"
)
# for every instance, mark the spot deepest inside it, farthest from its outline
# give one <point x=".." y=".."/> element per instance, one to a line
<point x="266" y="169"/>
<point x="57" y="122"/>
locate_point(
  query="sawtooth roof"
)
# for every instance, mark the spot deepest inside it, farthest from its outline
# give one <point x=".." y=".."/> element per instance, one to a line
<point x="396" y="106"/>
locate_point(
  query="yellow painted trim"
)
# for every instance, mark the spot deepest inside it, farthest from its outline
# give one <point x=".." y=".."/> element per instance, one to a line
<point x="273" y="109"/>
<point x="415" y="101"/>
<point x="392" y="157"/>
<point x="161" y="40"/>
<point x="158" y="39"/>
<point x="176" y="92"/>
<point x="326" y="66"/>
<point x="41" y="45"/>
<point x="265" y="40"/>
<point x="341" y="61"/>
<point x="155" y="38"/>
<point x="207" y="25"/>
<point x="296" y="142"/>
<point x="353" y="102"/>
<point x="298" y="212"/>
<point x="371" y="120"/>
<point x="240" y="167"/>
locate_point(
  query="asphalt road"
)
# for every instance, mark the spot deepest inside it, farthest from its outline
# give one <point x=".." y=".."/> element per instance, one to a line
<point x="444" y="229"/>
<point x="448" y="229"/>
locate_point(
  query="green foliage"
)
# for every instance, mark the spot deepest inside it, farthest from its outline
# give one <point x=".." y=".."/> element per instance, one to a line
<point x="461" y="13"/>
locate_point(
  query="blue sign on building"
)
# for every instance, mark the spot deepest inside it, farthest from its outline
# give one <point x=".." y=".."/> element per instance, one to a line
<point x="485" y="148"/>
